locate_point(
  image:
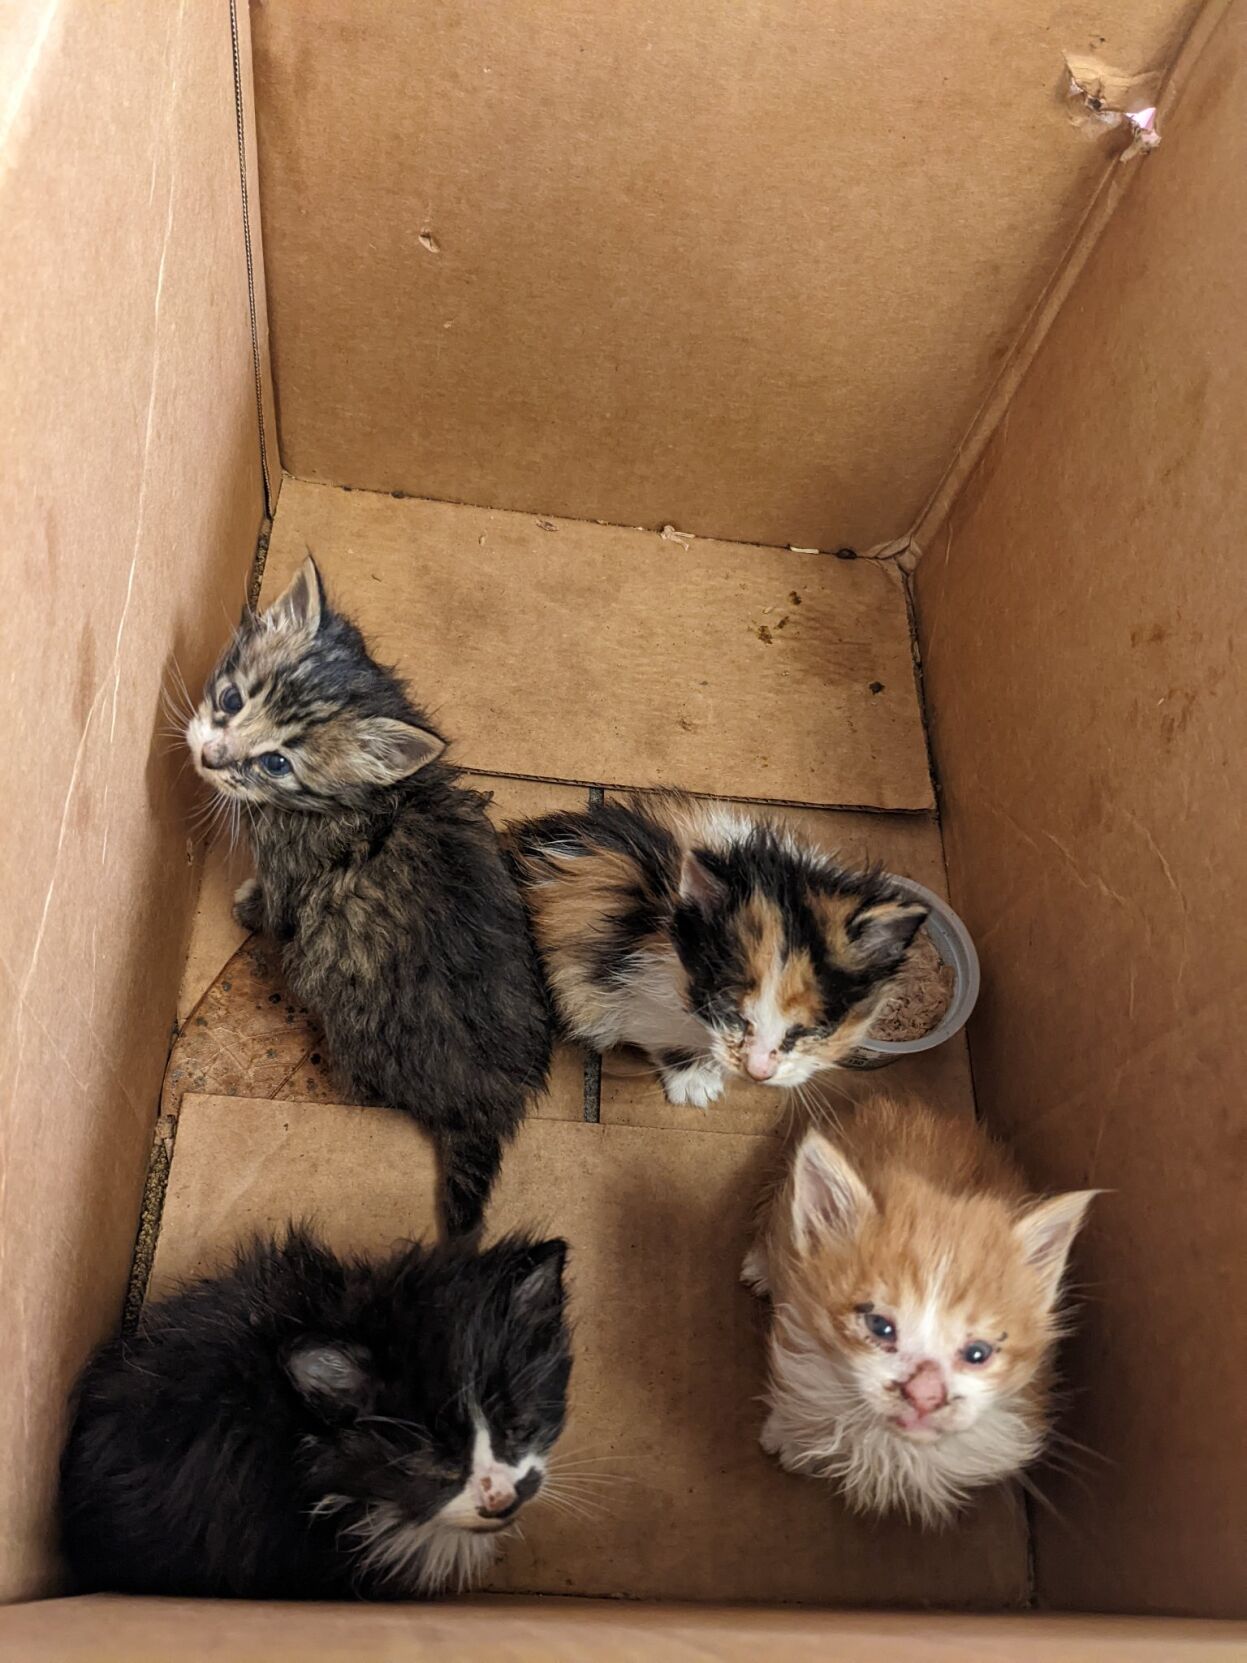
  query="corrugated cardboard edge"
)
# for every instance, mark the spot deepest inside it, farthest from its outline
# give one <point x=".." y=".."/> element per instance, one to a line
<point x="257" y="296"/>
<point x="1100" y="210"/>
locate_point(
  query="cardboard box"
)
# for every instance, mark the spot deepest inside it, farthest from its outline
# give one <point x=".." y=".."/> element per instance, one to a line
<point x="596" y="332"/>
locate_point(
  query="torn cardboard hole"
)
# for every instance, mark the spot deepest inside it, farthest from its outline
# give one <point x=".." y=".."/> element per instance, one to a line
<point x="1102" y="98"/>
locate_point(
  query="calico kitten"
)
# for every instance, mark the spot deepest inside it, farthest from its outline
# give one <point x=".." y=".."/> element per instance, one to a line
<point x="381" y="876"/>
<point x="916" y="1292"/>
<point x="304" y="1426"/>
<point x="718" y="944"/>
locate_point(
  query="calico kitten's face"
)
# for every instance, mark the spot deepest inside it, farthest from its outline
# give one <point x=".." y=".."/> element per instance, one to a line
<point x="930" y="1322"/>
<point x="785" y="975"/>
<point x="297" y="715"/>
<point x="448" y="1435"/>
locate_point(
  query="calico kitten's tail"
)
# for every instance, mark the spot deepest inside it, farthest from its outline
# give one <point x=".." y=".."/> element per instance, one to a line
<point x="470" y="1158"/>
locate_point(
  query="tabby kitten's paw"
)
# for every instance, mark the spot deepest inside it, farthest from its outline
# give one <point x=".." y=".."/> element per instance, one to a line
<point x="249" y="905"/>
<point x="695" y="1086"/>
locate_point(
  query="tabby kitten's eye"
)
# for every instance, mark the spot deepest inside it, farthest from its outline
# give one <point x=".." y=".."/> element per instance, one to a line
<point x="977" y="1352"/>
<point x="273" y="762"/>
<point x="230" y="699"/>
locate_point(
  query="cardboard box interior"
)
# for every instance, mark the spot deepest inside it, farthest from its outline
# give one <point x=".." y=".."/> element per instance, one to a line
<point x="754" y="280"/>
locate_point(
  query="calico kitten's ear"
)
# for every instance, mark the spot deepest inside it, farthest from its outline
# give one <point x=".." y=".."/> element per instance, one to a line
<point x="302" y="603"/>
<point x="331" y="1378"/>
<point x="1046" y="1232"/>
<point x="882" y="931"/>
<point x="828" y="1197"/>
<point x="537" y="1280"/>
<point x="391" y="750"/>
<point x="698" y="884"/>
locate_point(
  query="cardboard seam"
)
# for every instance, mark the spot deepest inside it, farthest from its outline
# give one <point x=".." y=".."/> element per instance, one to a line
<point x="920" y="811"/>
<point x="1092" y="223"/>
<point x="151" y="1212"/>
<point x="877" y="553"/>
<point x="257" y="361"/>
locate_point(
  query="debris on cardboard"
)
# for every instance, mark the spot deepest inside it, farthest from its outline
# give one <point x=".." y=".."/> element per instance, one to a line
<point x="429" y="241"/>
<point x="1101" y="97"/>
<point x="669" y="534"/>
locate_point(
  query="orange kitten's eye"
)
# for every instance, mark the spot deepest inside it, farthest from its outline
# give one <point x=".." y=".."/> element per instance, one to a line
<point x="879" y="1327"/>
<point x="977" y="1352"/>
<point x="230" y="699"/>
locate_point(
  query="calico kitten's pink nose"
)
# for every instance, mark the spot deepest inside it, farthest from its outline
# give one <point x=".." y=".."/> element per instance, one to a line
<point x="497" y="1494"/>
<point x="760" y="1064"/>
<point x="925" y="1388"/>
<point x="215" y="753"/>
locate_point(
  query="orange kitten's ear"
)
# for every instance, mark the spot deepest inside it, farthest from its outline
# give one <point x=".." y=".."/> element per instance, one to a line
<point x="882" y="932"/>
<point x="698" y="883"/>
<point x="1046" y="1232"/>
<point x="828" y="1197"/>
<point x="301" y="604"/>
<point x="390" y="750"/>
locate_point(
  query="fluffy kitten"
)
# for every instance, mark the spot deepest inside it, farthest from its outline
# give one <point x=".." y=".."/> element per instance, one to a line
<point x="381" y="875"/>
<point x="718" y="944"/>
<point x="305" y="1426"/>
<point x="915" y="1291"/>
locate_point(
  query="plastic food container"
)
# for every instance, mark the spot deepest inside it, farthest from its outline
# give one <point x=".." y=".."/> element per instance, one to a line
<point x="952" y="942"/>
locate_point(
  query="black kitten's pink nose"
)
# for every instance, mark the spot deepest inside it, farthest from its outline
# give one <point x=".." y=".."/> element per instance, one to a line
<point x="500" y="1499"/>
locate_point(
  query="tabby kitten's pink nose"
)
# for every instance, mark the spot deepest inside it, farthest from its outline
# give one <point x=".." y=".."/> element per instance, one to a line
<point x="760" y="1065"/>
<point x="214" y="753"/>
<point x="925" y="1388"/>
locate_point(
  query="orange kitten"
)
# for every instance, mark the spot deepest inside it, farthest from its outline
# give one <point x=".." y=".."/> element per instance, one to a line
<point x="915" y="1290"/>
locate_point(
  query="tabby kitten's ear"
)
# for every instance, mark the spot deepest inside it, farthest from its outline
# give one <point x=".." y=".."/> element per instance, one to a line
<point x="828" y="1197"/>
<point x="331" y="1378"/>
<point x="390" y="750"/>
<point x="881" y="932"/>
<point x="301" y="604"/>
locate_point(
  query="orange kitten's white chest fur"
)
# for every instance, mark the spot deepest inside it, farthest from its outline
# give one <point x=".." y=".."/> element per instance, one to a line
<point x="915" y="1293"/>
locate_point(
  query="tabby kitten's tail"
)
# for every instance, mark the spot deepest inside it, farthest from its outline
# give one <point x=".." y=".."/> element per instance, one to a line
<point x="471" y="1157"/>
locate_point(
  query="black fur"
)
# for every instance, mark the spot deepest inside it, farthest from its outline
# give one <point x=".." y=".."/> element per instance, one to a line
<point x="201" y="1447"/>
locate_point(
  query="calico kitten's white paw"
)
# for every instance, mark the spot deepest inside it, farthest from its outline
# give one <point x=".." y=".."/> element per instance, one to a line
<point x="249" y="904"/>
<point x="696" y="1087"/>
<point x="755" y="1273"/>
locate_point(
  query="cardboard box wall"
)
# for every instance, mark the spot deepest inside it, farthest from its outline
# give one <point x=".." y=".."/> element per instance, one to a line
<point x="139" y="486"/>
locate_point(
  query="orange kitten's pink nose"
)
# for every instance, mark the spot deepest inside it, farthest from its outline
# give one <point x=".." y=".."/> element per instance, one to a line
<point x="761" y="1064"/>
<point x="925" y="1388"/>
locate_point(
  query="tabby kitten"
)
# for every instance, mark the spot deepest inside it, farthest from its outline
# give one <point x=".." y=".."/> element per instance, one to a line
<point x="720" y="945"/>
<point x="304" y="1426"/>
<point x="916" y="1293"/>
<point x="381" y="876"/>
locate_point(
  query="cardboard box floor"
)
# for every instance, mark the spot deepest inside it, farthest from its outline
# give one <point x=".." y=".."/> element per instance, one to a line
<point x="656" y="1201"/>
<point x="660" y="350"/>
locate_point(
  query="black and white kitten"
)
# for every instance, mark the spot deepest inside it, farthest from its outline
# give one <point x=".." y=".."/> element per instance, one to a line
<point x="381" y="876"/>
<point x="305" y="1426"/>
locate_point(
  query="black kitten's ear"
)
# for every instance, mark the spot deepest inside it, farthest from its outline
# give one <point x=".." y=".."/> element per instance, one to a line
<point x="391" y="750"/>
<point x="882" y="931"/>
<point x="698" y="884"/>
<point x="302" y="603"/>
<point x="537" y="1280"/>
<point x="331" y="1378"/>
